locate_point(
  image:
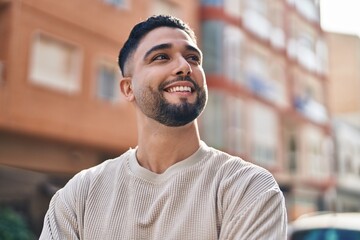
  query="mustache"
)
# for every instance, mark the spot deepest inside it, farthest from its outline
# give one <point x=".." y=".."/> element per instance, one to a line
<point x="178" y="79"/>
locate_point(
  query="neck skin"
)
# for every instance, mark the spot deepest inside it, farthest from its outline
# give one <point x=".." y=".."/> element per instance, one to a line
<point x="160" y="147"/>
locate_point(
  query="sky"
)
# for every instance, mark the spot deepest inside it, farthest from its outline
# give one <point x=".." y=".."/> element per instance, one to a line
<point x="342" y="16"/>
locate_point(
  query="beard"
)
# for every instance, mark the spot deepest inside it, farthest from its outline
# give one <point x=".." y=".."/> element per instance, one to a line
<point x="154" y="105"/>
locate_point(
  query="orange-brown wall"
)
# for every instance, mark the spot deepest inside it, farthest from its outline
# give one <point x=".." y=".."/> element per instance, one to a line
<point x="29" y="111"/>
<point x="79" y="117"/>
<point x="344" y="72"/>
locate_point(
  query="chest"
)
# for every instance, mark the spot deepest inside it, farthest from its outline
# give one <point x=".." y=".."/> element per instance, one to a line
<point x="134" y="209"/>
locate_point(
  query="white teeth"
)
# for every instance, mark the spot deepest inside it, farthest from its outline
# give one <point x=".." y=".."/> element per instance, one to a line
<point x="180" y="89"/>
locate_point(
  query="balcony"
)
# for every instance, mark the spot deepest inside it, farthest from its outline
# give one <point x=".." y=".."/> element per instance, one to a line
<point x="311" y="109"/>
<point x="308" y="9"/>
<point x="257" y="24"/>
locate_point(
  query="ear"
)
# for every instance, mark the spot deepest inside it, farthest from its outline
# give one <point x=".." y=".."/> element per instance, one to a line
<point x="126" y="89"/>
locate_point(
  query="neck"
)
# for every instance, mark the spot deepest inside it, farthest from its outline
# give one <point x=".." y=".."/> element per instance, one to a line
<point x="160" y="147"/>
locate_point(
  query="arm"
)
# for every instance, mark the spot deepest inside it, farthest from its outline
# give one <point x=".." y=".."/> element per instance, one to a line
<point x="61" y="220"/>
<point x="264" y="219"/>
<point x="252" y="206"/>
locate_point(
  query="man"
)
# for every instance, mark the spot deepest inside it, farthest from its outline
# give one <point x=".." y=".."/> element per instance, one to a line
<point x="172" y="185"/>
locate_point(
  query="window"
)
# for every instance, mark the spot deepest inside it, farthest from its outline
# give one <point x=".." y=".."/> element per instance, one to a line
<point x="256" y="18"/>
<point x="107" y="81"/>
<point x="256" y="63"/>
<point x="306" y="51"/>
<point x="309" y="9"/>
<point x="235" y="125"/>
<point x="277" y="19"/>
<point x="217" y="3"/>
<point x="212" y="37"/>
<point x="117" y="3"/>
<point x="257" y="23"/>
<point x="264" y="135"/>
<point x="212" y="120"/>
<point x="233" y="40"/>
<point x="326" y="233"/>
<point x="309" y="98"/>
<point x="55" y="64"/>
<point x="257" y="73"/>
<point x="222" y="123"/>
<point x="348" y="141"/>
<point x="233" y="7"/>
<point x="165" y="7"/>
<point x="317" y="164"/>
<point x="259" y="6"/>
<point x="292" y="155"/>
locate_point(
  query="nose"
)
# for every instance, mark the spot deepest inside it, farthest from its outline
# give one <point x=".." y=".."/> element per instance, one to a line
<point x="183" y="67"/>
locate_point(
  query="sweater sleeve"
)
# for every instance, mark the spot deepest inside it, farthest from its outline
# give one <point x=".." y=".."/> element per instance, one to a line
<point x="254" y="208"/>
<point x="264" y="219"/>
<point x="60" y="220"/>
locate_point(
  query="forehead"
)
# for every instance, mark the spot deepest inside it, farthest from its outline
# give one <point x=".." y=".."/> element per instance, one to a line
<point x="161" y="35"/>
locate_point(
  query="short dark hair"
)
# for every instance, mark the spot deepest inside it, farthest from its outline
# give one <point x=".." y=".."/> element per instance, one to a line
<point x="144" y="27"/>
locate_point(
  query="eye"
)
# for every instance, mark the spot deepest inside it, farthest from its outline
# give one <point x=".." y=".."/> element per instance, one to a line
<point x="160" y="57"/>
<point x="194" y="59"/>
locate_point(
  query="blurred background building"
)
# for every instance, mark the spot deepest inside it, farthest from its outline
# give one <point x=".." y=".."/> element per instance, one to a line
<point x="344" y="86"/>
<point x="267" y="66"/>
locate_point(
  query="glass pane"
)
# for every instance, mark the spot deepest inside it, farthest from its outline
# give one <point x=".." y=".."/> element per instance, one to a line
<point x="116" y="2"/>
<point x="233" y="51"/>
<point x="326" y="234"/>
<point x="211" y="2"/>
<point x="107" y="82"/>
<point x="212" y="42"/>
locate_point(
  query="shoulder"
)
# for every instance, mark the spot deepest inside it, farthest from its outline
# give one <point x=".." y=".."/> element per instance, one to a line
<point x="230" y="166"/>
<point x="249" y="173"/>
<point x="235" y="173"/>
<point x="83" y="180"/>
<point x="241" y="184"/>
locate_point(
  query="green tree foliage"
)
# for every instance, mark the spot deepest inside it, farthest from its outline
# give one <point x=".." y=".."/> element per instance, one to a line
<point x="13" y="226"/>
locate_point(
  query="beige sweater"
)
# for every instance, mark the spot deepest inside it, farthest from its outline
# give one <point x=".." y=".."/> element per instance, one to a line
<point x="210" y="195"/>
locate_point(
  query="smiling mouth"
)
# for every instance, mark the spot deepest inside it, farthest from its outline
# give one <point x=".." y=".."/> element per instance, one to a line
<point x="179" y="89"/>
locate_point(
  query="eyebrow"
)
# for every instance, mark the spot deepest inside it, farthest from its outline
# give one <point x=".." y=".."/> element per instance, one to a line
<point x="168" y="46"/>
<point x="194" y="49"/>
<point x="156" y="48"/>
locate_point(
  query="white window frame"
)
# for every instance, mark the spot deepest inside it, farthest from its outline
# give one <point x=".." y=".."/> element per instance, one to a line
<point x="165" y="7"/>
<point x="233" y="8"/>
<point x="42" y="76"/>
<point x="107" y="62"/>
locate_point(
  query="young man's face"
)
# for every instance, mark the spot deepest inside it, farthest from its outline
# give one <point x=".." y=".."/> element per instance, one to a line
<point x="168" y="81"/>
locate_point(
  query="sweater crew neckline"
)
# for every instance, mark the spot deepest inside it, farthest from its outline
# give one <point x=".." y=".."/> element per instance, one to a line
<point x="155" y="178"/>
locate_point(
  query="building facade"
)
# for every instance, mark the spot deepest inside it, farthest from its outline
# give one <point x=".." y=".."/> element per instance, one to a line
<point x="344" y="76"/>
<point x="344" y="85"/>
<point x="60" y="107"/>
<point x="60" y="110"/>
<point x="347" y="145"/>
<point x="266" y="64"/>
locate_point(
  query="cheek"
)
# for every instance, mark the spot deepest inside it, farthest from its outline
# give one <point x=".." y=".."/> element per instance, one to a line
<point x="200" y="77"/>
<point x="154" y="77"/>
<point x="143" y="86"/>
